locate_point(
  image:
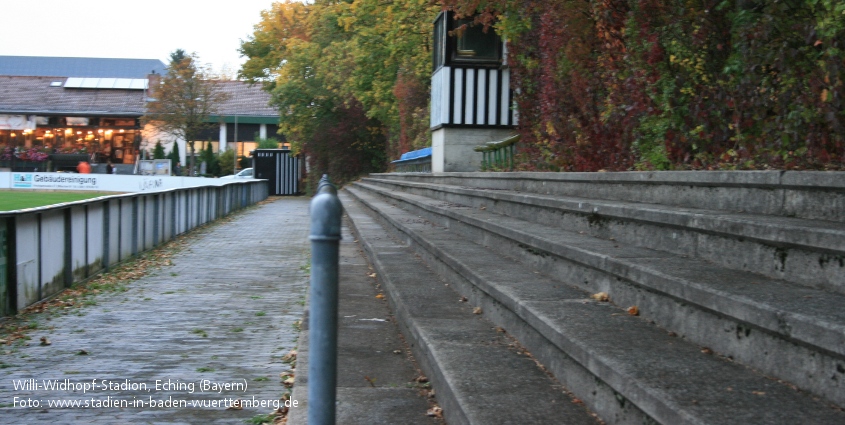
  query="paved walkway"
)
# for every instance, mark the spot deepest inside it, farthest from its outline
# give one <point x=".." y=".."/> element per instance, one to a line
<point x="223" y="312"/>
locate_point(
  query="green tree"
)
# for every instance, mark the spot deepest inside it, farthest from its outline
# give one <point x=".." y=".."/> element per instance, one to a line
<point x="212" y="163"/>
<point x="174" y="155"/>
<point x="158" y="151"/>
<point x="267" y="143"/>
<point x="226" y="161"/>
<point x="351" y="79"/>
<point x="184" y="100"/>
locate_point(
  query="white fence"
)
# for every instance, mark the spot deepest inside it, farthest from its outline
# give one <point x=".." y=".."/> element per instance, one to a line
<point x="45" y="250"/>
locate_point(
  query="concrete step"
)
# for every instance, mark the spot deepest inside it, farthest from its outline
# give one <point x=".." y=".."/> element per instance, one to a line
<point x="801" y="194"/>
<point x="810" y="252"/>
<point x="788" y="331"/>
<point x="480" y="375"/>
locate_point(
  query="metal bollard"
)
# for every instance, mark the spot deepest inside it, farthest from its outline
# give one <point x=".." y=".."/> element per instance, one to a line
<point x="322" y="322"/>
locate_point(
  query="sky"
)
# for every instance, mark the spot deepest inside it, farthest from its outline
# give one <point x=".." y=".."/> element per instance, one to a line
<point x="146" y="29"/>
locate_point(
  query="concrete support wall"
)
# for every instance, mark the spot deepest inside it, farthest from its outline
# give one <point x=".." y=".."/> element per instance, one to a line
<point x="452" y="148"/>
<point x="45" y="250"/>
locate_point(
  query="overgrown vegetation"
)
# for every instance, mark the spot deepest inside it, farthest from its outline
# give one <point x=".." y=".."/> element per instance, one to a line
<point x="350" y="79"/>
<point x="599" y="84"/>
<point x="699" y="84"/>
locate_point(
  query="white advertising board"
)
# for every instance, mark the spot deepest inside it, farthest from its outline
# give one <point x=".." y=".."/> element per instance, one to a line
<point x="101" y="182"/>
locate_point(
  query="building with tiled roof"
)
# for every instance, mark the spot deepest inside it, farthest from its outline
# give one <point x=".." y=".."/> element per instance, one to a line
<point x="95" y="105"/>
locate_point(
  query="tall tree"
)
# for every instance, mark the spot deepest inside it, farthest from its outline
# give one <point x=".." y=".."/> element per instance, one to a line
<point x="350" y="79"/>
<point x="158" y="151"/>
<point x="174" y="155"/>
<point x="184" y="100"/>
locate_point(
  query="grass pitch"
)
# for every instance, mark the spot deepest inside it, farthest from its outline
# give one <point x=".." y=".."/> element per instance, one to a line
<point x="17" y="200"/>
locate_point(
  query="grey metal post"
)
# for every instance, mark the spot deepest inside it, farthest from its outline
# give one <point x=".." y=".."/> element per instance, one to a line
<point x="322" y="322"/>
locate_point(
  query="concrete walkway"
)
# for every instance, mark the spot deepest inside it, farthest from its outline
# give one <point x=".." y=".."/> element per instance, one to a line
<point x="224" y="313"/>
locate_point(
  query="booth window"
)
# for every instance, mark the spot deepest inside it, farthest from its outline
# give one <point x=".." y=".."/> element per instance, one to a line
<point x="474" y="44"/>
<point x="464" y="42"/>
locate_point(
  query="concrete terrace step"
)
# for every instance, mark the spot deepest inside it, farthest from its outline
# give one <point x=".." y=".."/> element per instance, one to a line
<point x="624" y="367"/>
<point x="803" y="194"/>
<point x="790" y="331"/>
<point x="805" y="251"/>
<point x="480" y="376"/>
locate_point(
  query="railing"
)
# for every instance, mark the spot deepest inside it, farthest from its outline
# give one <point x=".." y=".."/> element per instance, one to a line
<point x="418" y="161"/>
<point x="45" y="250"/>
<point x="498" y="155"/>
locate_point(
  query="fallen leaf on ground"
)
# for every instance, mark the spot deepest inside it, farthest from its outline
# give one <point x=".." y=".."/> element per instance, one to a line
<point x="236" y="405"/>
<point x="633" y="310"/>
<point x="289" y="357"/>
<point x="380" y="296"/>
<point x="601" y="296"/>
<point x="476" y="310"/>
<point x="435" y="412"/>
<point x="758" y="393"/>
<point x="45" y="341"/>
<point x="372" y="275"/>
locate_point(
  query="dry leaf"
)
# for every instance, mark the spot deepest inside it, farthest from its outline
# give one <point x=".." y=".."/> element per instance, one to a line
<point x="397" y="351"/>
<point x="435" y="412"/>
<point x="706" y="350"/>
<point x="289" y="357"/>
<point x="758" y="393"/>
<point x="476" y="310"/>
<point x="421" y="379"/>
<point x="601" y="296"/>
<point x="45" y="341"/>
<point x="82" y="352"/>
<point x="372" y="275"/>
<point x="380" y="296"/>
<point x="462" y="299"/>
<point x="236" y="405"/>
<point x="633" y="310"/>
<point x="289" y="382"/>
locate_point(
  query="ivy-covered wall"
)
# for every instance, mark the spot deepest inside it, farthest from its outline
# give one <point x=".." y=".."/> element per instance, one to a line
<point x="652" y="84"/>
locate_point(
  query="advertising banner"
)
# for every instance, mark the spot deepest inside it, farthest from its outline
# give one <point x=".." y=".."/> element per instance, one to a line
<point x="102" y="182"/>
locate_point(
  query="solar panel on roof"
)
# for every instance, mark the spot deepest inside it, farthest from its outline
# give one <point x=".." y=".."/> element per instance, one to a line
<point x="106" y="83"/>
